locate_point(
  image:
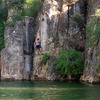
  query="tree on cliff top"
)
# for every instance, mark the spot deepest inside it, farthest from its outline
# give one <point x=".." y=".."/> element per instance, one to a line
<point x="32" y="7"/>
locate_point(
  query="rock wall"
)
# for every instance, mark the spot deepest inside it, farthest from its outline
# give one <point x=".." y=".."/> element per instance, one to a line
<point x="57" y="31"/>
<point x="16" y="58"/>
<point x="92" y="56"/>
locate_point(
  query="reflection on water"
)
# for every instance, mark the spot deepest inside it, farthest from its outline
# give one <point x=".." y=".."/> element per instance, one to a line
<point x="48" y="91"/>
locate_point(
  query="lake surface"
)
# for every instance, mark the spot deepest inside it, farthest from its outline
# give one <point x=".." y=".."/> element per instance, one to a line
<point x="48" y="91"/>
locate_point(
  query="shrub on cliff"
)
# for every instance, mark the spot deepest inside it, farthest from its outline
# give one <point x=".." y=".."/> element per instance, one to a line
<point x="16" y="15"/>
<point x="13" y="3"/>
<point x="21" y="8"/>
<point x="44" y="59"/>
<point x="32" y="7"/>
<point x="3" y="17"/>
<point x="70" y="62"/>
<point x="1" y="36"/>
<point x="93" y="30"/>
<point x="79" y="19"/>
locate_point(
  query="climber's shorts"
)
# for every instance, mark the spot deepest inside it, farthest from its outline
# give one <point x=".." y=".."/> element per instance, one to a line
<point x="38" y="46"/>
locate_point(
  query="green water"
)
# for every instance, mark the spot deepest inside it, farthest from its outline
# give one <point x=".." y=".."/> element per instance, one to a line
<point x="48" y="91"/>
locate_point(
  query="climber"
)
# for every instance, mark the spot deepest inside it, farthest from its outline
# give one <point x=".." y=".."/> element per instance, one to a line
<point x="38" y="45"/>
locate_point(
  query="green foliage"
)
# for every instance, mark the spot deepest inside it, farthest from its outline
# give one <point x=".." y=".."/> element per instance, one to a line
<point x="97" y="14"/>
<point x="44" y="59"/>
<point x="22" y="8"/>
<point x="70" y="62"/>
<point x="17" y="15"/>
<point x="14" y="3"/>
<point x="93" y="28"/>
<point x="86" y="64"/>
<point x="3" y="17"/>
<point x="96" y="68"/>
<point x="98" y="57"/>
<point x="79" y="19"/>
<point x="32" y="7"/>
<point x="1" y="36"/>
<point x="6" y="42"/>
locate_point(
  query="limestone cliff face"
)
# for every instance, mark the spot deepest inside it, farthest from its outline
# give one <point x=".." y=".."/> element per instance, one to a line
<point x="57" y="31"/>
<point x="92" y="71"/>
<point x="16" y="58"/>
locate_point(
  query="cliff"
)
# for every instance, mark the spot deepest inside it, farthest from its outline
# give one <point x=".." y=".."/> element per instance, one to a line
<point x="16" y="57"/>
<point x="60" y="25"/>
<point x="57" y="31"/>
<point x="92" y="49"/>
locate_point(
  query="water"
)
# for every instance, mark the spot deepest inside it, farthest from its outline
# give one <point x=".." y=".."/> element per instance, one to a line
<point x="48" y="91"/>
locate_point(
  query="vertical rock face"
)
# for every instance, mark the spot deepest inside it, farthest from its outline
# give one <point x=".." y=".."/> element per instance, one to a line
<point x="57" y="30"/>
<point x="92" y="69"/>
<point x="28" y="40"/>
<point x="19" y="41"/>
<point x="12" y="61"/>
<point x="28" y="35"/>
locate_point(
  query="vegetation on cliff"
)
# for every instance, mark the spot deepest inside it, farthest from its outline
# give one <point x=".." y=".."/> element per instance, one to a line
<point x="70" y="62"/>
<point x="79" y="19"/>
<point x="93" y="30"/>
<point x="44" y="59"/>
<point x="32" y="7"/>
<point x="18" y="9"/>
<point x="3" y="17"/>
<point x="21" y="8"/>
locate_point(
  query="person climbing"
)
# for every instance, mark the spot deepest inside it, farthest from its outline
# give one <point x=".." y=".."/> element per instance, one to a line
<point x="38" y="45"/>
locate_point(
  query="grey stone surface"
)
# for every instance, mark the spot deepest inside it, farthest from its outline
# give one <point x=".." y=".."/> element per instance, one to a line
<point x="19" y="42"/>
<point x="28" y="35"/>
<point x="57" y="31"/>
